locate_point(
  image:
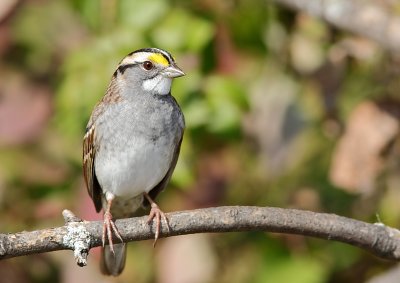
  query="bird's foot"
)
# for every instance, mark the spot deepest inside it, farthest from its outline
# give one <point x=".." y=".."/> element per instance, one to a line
<point x="156" y="213"/>
<point x="108" y="228"/>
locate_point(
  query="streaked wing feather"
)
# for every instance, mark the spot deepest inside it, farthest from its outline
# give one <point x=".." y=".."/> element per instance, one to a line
<point x="89" y="153"/>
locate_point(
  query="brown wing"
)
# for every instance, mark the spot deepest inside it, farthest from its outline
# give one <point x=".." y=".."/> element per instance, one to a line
<point x="89" y="153"/>
<point x="164" y="182"/>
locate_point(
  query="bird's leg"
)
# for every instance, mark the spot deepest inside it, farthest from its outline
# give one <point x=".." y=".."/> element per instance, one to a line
<point x="156" y="213"/>
<point x="109" y="225"/>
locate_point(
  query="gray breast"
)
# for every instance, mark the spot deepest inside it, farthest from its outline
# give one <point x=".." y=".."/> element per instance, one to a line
<point x="155" y="118"/>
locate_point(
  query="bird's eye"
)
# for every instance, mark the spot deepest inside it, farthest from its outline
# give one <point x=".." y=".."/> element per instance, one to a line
<point x="147" y="65"/>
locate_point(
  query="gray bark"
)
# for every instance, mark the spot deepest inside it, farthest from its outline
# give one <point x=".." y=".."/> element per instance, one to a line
<point x="80" y="236"/>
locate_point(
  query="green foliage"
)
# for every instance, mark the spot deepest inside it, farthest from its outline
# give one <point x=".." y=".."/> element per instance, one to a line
<point x="296" y="269"/>
<point x="226" y="101"/>
<point x="180" y="30"/>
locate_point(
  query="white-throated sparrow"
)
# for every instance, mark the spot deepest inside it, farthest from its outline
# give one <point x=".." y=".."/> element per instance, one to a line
<point x="132" y="144"/>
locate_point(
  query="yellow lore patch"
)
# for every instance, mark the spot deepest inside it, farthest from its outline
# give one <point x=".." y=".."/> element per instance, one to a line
<point x="159" y="59"/>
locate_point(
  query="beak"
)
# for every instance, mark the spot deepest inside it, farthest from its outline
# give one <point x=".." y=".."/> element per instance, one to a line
<point x="173" y="71"/>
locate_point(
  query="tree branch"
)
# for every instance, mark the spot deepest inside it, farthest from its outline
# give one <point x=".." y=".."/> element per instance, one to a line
<point x="371" y="19"/>
<point x="80" y="236"/>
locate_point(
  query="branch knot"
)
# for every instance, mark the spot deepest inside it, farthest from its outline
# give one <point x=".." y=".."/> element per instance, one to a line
<point x="77" y="238"/>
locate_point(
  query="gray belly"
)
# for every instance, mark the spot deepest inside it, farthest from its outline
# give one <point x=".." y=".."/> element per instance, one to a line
<point x="136" y="169"/>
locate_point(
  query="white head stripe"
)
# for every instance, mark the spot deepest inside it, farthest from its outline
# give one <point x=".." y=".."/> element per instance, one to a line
<point x="139" y="57"/>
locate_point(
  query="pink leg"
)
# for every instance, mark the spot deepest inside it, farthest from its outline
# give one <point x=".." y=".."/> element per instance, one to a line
<point x="156" y="213"/>
<point x="109" y="227"/>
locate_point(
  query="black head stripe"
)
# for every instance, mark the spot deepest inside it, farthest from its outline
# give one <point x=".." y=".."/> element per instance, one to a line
<point x="122" y="68"/>
<point x="164" y="53"/>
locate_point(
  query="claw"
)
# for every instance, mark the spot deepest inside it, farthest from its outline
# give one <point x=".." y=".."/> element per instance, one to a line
<point x="109" y="227"/>
<point x="156" y="213"/>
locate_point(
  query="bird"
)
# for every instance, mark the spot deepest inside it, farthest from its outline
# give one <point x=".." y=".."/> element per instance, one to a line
<point x="131" y="145"/>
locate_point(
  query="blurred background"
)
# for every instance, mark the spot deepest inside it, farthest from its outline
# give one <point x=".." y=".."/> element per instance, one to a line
<point x="282" y="109"/>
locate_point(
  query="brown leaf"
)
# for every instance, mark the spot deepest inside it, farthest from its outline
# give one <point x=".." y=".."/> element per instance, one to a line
<point x="357" y="159"/>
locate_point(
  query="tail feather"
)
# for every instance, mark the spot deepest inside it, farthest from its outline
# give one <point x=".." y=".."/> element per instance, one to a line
<point x="113" y="264"/>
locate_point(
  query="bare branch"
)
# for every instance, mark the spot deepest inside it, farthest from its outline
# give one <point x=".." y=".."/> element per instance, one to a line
<point x="367" y="18"/>
<point x="80" y="236"/>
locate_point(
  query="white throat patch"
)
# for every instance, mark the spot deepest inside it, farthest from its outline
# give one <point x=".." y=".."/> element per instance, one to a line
<point x="159" y="85"/>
